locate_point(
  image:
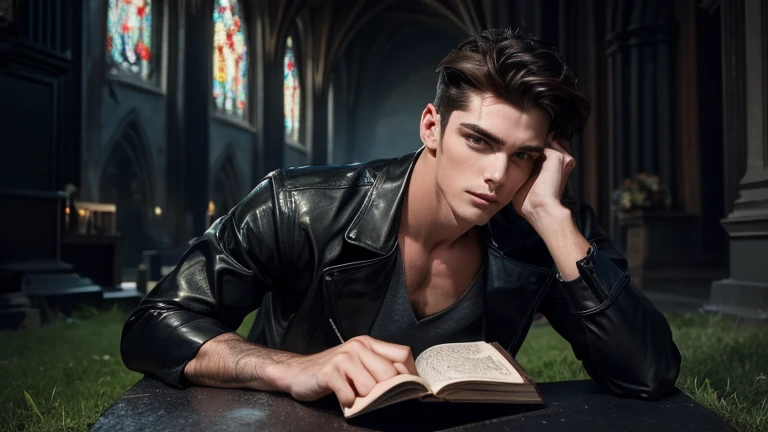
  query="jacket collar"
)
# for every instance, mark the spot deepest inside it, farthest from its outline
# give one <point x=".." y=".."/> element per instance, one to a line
<point x="375" y="225"/>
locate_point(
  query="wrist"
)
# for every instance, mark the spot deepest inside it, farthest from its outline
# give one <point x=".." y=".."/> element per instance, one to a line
<point x="278" y="374"/>
<point x="543" y="216"/>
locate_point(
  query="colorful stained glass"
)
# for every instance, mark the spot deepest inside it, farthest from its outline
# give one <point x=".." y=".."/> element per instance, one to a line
<point x="230" y="59"/>
<point x="291" y="94"/>
<point x="129" y="35"/>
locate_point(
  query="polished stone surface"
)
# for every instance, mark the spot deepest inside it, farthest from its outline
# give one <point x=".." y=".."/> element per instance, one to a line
<point x="569" y="407"/>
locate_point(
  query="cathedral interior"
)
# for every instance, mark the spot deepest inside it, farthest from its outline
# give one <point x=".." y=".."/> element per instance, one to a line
<point x="128" y="126"/>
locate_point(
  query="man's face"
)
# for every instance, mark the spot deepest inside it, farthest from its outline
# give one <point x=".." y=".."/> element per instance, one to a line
<point x="486" y="154"/>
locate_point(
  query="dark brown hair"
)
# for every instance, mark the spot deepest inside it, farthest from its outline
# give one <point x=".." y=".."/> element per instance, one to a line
<point x="518" y="68"/>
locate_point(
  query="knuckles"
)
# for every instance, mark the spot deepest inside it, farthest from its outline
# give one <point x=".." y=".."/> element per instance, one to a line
<point x="356" y="344"/>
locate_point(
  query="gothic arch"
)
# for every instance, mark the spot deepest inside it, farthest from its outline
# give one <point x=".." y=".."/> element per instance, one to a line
<point x="126" y="180"/>
<point x="226" y="188"/>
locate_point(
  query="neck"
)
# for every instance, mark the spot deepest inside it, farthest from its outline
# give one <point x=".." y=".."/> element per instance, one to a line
<point x="426" y="216"/>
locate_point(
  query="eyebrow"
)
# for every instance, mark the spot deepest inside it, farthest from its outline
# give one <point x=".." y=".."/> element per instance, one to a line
<point x="498" y="141"/>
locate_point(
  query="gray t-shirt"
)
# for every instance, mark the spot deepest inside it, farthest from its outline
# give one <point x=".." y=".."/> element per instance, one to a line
<point x="460" y="322"/>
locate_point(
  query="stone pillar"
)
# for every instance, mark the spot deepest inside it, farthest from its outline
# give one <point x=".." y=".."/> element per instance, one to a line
<point x="745" y="292"/>
<point x="319" y="126"/>
<point x="582" y="36"/>
<point x="175" y="213"/>
<point x="197" y="108"/>
<point x="640" y="46"/>
<point x="641" y="40"/>
<point x="273" y="121"/>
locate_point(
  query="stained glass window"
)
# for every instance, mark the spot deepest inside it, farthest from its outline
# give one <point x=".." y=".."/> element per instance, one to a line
<point x="291" y="94"/>
<point x="230" y="59"/>
<point x="129" y="35"/>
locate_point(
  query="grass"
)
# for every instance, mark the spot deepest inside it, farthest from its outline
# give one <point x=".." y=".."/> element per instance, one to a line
<point x="724" y="366"/>
<point x="70" y="369"/>
<point x="63" y="376"/>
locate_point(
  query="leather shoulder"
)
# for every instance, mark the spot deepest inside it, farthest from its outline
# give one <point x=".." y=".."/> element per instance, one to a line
<point x="329" y="177"/>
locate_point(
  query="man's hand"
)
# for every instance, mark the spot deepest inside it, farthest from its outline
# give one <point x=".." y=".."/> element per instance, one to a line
<point x="545" y="186"/>
<point x="348" y="370"/>
<point x="538" y="201"/>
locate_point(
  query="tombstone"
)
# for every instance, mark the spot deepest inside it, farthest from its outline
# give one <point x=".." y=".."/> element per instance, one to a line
<point x="31" y="268"/>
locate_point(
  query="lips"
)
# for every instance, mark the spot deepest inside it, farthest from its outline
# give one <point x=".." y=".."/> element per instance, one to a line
<point x="490" y="199"/>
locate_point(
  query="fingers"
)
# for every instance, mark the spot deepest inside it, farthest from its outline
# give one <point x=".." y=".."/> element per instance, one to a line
<point x="563" y="144"/>
<point x="359" y="375"/>
<point x="346" y="376"/>
<point x="340" y="386"/>
<point x="380" y="368"/>
<point x="349" y="371"/>
<point x="568" y="161"/>
<point x="567" y="164"/>
<point x="402" y="369"/>
<point x="392" y="352"/>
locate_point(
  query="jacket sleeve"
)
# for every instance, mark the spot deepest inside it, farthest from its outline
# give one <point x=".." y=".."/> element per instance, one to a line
<point x="221" y="278"/>
<point x="623" y="341"/>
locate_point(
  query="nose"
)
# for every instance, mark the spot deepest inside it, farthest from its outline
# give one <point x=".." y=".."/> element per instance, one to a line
<point x="496" y="170"/>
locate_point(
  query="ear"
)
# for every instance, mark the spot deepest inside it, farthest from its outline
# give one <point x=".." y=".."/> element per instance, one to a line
<point x="429" y="128"/>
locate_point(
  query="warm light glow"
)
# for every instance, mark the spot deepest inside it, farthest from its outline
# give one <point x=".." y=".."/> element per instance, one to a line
<point x="66" y="210"/>
<point x="81" y="212"/>
<point x="158" y="211"/>
<point x="211" y="207"/>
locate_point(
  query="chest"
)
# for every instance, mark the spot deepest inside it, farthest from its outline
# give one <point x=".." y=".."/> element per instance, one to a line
<point x="435" y="280"/>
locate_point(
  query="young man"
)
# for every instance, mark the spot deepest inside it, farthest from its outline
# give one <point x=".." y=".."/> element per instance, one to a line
<point x="356" y="268"/>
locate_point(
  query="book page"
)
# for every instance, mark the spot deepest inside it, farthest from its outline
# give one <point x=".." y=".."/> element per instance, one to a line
<point x="398" y="388"/>
<point x="447" y="363"/>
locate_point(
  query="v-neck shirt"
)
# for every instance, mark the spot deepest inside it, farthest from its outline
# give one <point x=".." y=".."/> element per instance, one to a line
<point x="459" y="322"/>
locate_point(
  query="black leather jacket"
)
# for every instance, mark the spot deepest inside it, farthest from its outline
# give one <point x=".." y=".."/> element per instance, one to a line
<point x="314" y="249"/>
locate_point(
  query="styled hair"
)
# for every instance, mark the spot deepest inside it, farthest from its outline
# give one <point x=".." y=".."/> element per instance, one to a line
<point x="517" y="68"/>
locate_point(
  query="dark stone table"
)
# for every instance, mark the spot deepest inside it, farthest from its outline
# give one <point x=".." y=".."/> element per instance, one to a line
<point x="569" y="407"/>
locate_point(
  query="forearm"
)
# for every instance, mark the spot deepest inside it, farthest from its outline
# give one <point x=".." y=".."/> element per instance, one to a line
<point x="624" y="341"/>
<point x="631" y="347"/>
<point x="229" y="361"/>
<point x="564" y="241"/>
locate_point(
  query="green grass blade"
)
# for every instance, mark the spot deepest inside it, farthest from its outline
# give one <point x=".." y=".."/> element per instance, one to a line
<point x="32" y="404"/>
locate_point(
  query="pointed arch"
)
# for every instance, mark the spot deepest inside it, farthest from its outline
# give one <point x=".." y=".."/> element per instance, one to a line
<point x="226" y="187"/>
<point x="126" y="180"/>
<point x="131" y="139"/>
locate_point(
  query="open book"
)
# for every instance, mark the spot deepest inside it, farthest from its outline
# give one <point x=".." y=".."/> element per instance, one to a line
<point x="457" y="372"/>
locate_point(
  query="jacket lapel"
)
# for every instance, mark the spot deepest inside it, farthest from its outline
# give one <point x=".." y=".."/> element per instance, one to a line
<point x="517" y="273"/>
<point x="355" y="291"/>
<point x="376" y="224"/>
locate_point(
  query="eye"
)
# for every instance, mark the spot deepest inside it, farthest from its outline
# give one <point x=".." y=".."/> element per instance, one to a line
<point x="523" y="156"/>
<point x="476" y="140"/>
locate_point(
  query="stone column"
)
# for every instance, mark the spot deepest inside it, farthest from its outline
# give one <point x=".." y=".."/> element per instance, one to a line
<point x="176" y="213"/>
<point x="745" y="292"/>
<point x="272" y="120"/>
<point x="641" y="40"/>
<point x="582" y="36"/>
<point x="640" y="46"/>
<point x="197" y="111"/>
<point x="268" y="96"/>
<point x="319" y="126"/>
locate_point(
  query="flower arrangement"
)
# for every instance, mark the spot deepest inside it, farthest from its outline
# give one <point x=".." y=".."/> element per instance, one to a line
<point x="643" y="192"/>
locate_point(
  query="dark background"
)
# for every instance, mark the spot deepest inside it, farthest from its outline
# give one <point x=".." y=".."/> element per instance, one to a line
<point x="679" y="90"/>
